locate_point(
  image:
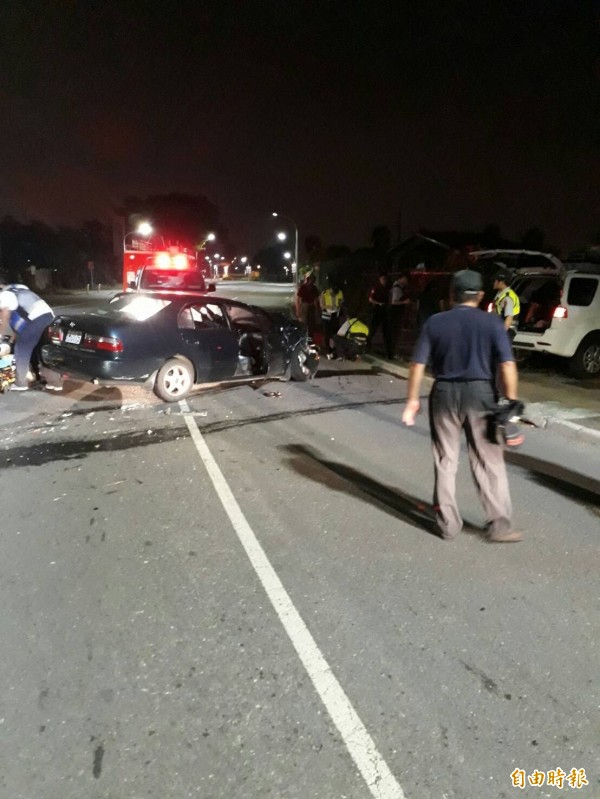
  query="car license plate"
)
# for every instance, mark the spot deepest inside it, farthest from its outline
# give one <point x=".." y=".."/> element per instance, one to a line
<point x="73" y="337"/>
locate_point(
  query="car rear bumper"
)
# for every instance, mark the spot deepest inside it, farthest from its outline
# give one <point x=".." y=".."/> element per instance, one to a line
<point x="548" y="342"/>
<point x="88" y="366"/>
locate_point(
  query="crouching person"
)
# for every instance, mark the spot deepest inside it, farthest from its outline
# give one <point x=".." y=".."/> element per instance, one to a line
<point x="28" y="316"/>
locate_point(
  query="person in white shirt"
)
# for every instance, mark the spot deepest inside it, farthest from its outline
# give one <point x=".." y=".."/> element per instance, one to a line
<point x="28" y="316"/>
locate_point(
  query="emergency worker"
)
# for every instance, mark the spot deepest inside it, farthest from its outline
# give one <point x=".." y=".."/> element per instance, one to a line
<point x="379" y="298"/>
<point x="463" y="347"/>
<point x="506" y="301"/>
<point x="28" y="315"/>
<point x="332" y="303"/>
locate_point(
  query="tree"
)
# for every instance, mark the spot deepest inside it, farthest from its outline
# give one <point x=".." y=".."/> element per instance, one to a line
<point x="381" y="239"/>
<point x="313" y="248"/>
<point x="183" y="218"/>
<point x="534" y="238"/>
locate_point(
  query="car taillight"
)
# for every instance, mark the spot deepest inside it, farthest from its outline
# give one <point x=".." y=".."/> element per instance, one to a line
<point x="56" y="335"/>
<point x="102" y="343"/>
<point x="560" y="312"/>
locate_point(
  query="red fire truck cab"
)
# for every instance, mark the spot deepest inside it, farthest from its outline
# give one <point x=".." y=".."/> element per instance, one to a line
<point x="172" y="268"/>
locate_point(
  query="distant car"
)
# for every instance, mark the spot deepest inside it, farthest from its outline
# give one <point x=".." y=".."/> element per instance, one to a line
<point x="172" y="341"/>
<point x="560" y="315"/>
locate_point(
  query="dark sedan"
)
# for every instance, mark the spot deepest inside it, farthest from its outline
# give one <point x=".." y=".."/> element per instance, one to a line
<point x="172" y="341"/>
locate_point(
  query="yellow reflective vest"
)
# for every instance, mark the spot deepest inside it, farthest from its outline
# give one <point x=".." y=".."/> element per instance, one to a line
<point x="331" y="302"/>
<point x="501" y="297"/>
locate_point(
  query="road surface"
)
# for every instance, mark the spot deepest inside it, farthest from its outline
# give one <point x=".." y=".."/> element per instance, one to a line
<point x="241" y="596"/>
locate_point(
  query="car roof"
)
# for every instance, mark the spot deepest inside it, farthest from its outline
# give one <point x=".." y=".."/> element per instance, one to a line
<point x="177" y="294"/>
<point x="555" y="264"/>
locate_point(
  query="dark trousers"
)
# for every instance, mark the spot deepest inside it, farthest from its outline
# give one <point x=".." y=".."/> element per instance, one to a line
<point x="455" y="408"/>
<point x="331" y="325"/>
<point x="381" y="319"/>
<point x="26" y="346"/>
<point x="396" y="323"/>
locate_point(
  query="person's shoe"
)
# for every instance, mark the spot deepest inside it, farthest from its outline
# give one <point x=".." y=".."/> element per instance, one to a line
<point x="15" y="387"/>
<point x="53" y="388"/>
<point x="506" y="538"/>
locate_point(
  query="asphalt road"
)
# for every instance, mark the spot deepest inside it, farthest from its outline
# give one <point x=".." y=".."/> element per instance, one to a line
<point x="241" y="596"/>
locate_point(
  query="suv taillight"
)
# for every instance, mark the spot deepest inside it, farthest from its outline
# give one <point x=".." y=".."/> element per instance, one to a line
<point x="102" y="343"/>
<point x="55" y="334"/>
<point x="560" y="312"/>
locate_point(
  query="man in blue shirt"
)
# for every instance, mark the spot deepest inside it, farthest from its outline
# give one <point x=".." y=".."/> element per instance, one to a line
<point x="465" y="347"/>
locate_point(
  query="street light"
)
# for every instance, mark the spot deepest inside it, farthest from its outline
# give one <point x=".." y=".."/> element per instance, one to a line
<point x="282" y="236"/>
<point x="144" y="229"/>
<point x="208" y="237"/>
<point x="289" y="219"/>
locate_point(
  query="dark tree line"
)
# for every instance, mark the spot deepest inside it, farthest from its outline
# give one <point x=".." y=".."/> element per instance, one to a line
<point x="65" y="251"/>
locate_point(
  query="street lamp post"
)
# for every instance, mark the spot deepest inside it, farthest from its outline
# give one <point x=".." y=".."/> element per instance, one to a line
<point x="289" y="219"/>
<point x="143" y="229"/>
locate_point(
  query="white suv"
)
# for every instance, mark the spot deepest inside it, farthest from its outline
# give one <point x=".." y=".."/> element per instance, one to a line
<point x="560" y="315"/>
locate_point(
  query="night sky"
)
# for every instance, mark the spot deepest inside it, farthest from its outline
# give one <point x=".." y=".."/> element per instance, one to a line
<point x="342" y="115"/>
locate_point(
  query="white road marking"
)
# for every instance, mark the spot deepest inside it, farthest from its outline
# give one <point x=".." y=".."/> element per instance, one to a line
<point x="375" y="771"/>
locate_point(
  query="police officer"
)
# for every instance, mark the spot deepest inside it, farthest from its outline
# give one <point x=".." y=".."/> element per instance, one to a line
<point x="28" y="315"/>
<point x="464" y="346"/>
<point x="506" y="302"/>
<point x="332" y="301"/>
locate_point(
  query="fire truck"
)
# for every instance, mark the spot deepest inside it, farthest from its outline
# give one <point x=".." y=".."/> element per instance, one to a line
<point x="144" y="265"/>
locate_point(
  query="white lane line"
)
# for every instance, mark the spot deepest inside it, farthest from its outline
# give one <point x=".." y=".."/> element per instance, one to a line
<point x="375" y="771"/>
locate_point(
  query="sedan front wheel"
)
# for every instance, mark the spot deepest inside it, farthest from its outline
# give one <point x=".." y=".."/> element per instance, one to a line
<point x="174" y="380"/>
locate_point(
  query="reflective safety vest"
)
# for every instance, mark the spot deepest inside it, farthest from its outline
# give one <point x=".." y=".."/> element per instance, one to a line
<point x="499" y="302"/>
<point x="353" y="328"/>
<point x="30" y="306"/>
<point x="331" y="303"/>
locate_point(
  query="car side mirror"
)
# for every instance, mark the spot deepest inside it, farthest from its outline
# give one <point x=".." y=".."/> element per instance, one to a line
<point x="211" y="287"/>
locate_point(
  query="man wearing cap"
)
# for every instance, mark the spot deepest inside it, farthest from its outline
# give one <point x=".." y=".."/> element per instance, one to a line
<point x="506" y="302"/>
<point x="464" y="346"/>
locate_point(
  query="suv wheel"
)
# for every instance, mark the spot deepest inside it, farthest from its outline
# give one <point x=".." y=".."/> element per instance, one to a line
<point x="586" y="361"/>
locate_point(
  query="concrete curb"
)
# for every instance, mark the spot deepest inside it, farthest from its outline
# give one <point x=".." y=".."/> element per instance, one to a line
<point x="536" y="417"/>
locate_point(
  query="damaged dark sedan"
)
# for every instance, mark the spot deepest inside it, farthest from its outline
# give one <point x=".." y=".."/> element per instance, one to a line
<point x="173" y="341"/>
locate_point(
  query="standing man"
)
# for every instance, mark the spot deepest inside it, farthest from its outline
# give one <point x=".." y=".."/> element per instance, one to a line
<point x="399" y="301"/>
<point x="464" y="346"/>
<point x="28" y="315"/>
<point x="379" y="298"/>
<point x="307" y="303"/>
<point x="506" y="302"/>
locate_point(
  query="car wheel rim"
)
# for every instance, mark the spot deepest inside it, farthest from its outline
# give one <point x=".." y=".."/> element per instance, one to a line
<point x="591" y="360"/>
<point x="302" y="362"/>
<point x="176" y="381"/>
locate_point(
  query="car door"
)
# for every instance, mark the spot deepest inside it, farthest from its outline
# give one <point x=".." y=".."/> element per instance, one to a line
<point x="251" y="327"/>
<point x="208" y="340"/>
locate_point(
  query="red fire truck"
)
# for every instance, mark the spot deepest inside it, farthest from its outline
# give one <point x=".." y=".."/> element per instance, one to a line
<point x="142" y="255"/>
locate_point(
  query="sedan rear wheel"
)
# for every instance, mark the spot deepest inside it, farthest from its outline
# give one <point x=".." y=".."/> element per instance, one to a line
<point x="174" y="380"/>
